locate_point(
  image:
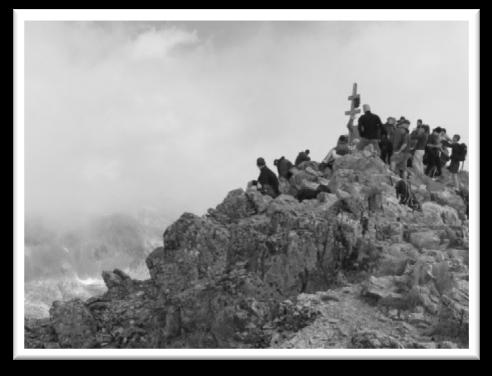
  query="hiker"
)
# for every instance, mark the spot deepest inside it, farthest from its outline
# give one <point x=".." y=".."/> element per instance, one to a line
<point x="369" y="129"/>
<point x="433" y="153"/>
<point x="389" y="128"/>
<point x="338" y="151"/>
<point x="268" y="180"/>
<point x="283" y="167"/>
<point x="401" y="147"/>
<point x="458" y="155"/>
<point x="302" y="157"/>
<point x="405" y="194"/>
<point x="445" y="142"/>
<point x="420" y="136"/>
<point x="386" y="147"/>
<point x="309" y="193"/>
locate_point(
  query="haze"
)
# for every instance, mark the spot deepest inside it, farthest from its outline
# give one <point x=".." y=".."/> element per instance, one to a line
<point x="172" y="115"/>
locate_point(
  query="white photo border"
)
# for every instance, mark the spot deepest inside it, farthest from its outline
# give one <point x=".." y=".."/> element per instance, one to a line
<point x="469" y="15"/>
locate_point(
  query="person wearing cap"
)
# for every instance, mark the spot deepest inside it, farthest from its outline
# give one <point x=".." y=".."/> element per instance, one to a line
<point x="302" y="157"/>
<point x="369" y="129"/>
<point x="401" y="148"/>
<point x="267" y="180"/>
<point x="389" y="128"/>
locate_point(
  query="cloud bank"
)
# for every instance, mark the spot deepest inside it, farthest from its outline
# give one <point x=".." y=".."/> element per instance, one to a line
<point x="172" y="115"/>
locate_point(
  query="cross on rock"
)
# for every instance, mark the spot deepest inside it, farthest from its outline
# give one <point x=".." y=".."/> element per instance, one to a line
<point x="354" y="102"/>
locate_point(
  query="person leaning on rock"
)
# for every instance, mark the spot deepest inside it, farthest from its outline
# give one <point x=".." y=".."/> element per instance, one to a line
<point x="303" y="156"/>
<point x="267" y="180"/>
<point x="283" y="167"/>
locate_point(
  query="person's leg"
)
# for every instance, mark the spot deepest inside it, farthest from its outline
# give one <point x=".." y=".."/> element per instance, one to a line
<point x="362" y="143"/>
<point x="417" y="161"/>
<point x="375" y="142"/>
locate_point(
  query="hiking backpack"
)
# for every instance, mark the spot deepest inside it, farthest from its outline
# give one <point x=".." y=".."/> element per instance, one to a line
<point x="460" y="152"/>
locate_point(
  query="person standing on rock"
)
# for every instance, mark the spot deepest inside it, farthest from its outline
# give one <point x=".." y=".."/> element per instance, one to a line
<point x="303" y="156"/>
<point x="268" y="180"/>
<point x="458" y="155"/>
<point x="369" y="129"/>
<point x="434" y="153"/>
<point x="283" y="167"/>
<point x="420" y="137"/>
<point x="401" y="148"/>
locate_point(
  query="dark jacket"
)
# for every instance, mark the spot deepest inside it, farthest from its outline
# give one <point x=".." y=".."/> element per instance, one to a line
<point x="370" y="126"/>
<point x="302" y="157"/>
<point x="283" y="167"/>
<point x="267" y="177"/>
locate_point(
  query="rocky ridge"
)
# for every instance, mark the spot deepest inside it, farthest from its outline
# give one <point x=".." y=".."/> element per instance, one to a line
<point x="349" y="269"/>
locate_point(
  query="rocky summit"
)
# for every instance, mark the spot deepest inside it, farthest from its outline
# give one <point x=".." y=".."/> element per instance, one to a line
<point x="353" y="268"/>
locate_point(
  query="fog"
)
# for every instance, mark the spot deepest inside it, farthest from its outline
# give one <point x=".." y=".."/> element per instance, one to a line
<point x="172" y="115"/>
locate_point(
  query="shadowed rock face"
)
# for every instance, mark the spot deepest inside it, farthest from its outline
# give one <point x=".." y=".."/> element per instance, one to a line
<point x="231" y="278"/>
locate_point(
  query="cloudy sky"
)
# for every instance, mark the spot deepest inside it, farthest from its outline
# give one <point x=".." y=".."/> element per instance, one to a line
<point x="172" y="115"/>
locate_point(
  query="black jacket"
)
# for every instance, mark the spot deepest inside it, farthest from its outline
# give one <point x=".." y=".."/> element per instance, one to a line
<point x="283" y="167"/>
<point x="267" y="177"/>
<point x="302" y="157"/>
<point x="370" y="126"/>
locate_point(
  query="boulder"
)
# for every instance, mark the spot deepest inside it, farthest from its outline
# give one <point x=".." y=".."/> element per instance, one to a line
<point x="425" y="239"/>
<point x="73" y="324"/>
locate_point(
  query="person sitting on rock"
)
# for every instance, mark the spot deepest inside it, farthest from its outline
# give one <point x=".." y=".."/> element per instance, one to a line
<point x="338" y="151"/>
<point x="406" y="196"/>
<point x="283" y="167"/>
<point x="267" y="180"/>
<point x="302" y="157"/>
<point x="309" y="193"/>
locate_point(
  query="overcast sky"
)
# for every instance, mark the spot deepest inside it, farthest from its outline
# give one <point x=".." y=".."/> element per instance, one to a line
<point x="172" y="115"/>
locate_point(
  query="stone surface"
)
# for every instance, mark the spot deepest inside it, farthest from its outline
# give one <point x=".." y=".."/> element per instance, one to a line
<point x="350" y="269"/>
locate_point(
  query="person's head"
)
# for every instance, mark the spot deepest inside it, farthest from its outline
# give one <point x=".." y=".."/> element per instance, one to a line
<point x="456" y="138"/>
<point x="437" y="130"/>
<point x="307" y="151"/>
<point x="342" y="139"/>
<point x="260" y="162"/>
<point x="366" y="108"/>
<point x="426" y="128"/>
<point x="275" y="162"/>
<point x="405" y="124"/>
<point x="443" y="131"/>
<point x="419" y="123"/>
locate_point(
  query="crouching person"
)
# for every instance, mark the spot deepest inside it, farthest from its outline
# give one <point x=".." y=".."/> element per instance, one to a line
<point x="267" y="182"/>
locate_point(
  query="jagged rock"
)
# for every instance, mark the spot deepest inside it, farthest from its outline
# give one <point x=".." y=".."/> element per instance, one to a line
<point x="73" y="324"/>
<point x="425" y="239"/>
<point x="371" y="339"/>
<point x="255" y="268"/>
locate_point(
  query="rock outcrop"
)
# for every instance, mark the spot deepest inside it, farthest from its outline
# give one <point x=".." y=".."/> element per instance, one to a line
<point x="258" y="272"/>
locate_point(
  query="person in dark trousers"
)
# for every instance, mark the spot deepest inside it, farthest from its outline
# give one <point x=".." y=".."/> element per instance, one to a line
<point x="434" y="154"/>
<point x="386" y="147"/>
<point x="267" y="179"/>
<point x="302" y="157"/>
<point x="283" y="167"/>
<point x="369" y="127"/>
<point x="420" y="137"/>
<point x="401" y="148"/>
<point x="458" y="155"/>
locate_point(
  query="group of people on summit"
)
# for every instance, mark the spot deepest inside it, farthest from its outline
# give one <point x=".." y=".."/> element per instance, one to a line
<point x="424" y="151"/>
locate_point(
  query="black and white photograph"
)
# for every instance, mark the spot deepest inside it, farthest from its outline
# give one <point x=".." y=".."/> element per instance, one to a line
<point x="246" y="184"/>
